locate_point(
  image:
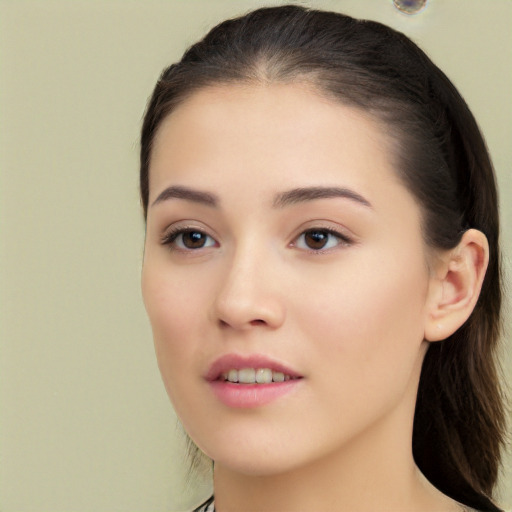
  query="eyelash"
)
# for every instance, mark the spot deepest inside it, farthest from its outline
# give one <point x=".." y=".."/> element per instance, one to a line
<point x="170" y="239"/>
<point x="342" y="239"/>
<point x="174" y="234"/>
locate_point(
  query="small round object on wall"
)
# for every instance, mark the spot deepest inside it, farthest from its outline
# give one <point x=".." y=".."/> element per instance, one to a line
<point x="410" y="6"/>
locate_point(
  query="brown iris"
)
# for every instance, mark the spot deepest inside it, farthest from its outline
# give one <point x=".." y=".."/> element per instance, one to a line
<point x="193" y="239"/>
<point x="316" y="239"/>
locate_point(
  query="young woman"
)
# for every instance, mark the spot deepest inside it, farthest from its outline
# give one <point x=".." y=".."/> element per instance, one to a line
<point x="321" y="268"/>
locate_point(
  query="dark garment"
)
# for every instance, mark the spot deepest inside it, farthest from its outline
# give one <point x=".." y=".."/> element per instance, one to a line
<point x="207" y="506"/>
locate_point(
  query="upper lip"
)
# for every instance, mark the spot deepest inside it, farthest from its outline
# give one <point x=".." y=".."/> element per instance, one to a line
<point x="237" y="362"/>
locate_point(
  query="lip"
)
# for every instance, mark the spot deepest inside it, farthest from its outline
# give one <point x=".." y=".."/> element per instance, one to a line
<point x="249" y="395"/>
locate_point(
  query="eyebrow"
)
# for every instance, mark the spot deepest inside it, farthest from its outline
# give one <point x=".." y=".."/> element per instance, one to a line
<point x="178" y="192"/>
<point x="288" y="198"/>
<point x="300" y="195"/>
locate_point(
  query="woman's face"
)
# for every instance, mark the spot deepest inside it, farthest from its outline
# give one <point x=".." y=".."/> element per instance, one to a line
<point x="280" y="242"/>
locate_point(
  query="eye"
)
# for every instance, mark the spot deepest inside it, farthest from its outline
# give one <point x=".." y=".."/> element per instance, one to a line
<point x="320" y="239"/>
<point x="188" y="239"/>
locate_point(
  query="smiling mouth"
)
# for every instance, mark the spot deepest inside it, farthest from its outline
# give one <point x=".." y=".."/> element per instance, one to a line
<point x="251" y="381"/>
<point x="254" y="376"/>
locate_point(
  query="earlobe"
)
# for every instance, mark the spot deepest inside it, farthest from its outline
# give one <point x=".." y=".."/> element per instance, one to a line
<point x="456" y="285"/>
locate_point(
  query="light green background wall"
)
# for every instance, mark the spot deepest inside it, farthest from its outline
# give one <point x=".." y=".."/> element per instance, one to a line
<point x="85" y="424"/>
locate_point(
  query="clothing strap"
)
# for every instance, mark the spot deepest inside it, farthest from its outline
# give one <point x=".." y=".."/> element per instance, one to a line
<point x="207" y="506"/>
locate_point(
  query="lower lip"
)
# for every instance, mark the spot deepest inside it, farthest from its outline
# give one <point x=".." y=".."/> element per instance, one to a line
<point x="245" y="396"/>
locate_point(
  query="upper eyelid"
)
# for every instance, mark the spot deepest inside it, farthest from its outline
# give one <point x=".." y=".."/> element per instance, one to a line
<point x="183" y="226"/>
<point x="325" y="225"/>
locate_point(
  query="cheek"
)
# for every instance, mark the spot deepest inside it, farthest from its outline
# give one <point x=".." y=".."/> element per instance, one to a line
<point x="367" y="322"/>
<point x="173" y="298"/>
<point x="174" y="304"/>
<point x="364" y="345"/>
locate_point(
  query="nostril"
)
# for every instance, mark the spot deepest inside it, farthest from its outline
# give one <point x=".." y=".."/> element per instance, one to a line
<point x="223" y="324"/>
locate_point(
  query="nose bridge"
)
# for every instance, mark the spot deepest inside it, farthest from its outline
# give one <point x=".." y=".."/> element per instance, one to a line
<point x="248" y="295"/>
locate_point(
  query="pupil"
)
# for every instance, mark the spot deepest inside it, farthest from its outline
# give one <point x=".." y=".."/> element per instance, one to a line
<point x="316" y="239"/>
<point x="193" y="239"/>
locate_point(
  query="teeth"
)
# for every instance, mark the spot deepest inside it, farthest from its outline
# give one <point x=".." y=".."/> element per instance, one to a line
<point x="263" y="376"/>
<point x="254" y="376"/>
<point x="247" y="376"/>
<point x="278" y="377"/>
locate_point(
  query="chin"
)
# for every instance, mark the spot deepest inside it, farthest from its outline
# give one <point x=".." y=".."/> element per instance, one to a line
<point x="255" y="461"/>
<point x="254" y="466"/>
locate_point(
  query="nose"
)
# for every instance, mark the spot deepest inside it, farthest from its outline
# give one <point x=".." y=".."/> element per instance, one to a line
<point x="249" y="294"/>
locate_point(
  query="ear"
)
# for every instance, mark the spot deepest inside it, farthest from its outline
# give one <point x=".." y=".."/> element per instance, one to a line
<point x="455" y="285"/>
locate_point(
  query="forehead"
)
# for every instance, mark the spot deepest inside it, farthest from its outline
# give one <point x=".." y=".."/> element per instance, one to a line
<point x="267" y="103"/>
<point x="265" y="125"/>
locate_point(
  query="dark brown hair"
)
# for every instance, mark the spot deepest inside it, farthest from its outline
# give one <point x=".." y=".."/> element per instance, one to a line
<point x="440" y="155"/>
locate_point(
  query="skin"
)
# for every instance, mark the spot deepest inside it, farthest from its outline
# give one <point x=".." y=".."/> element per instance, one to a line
<point x="351" y="318"/>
